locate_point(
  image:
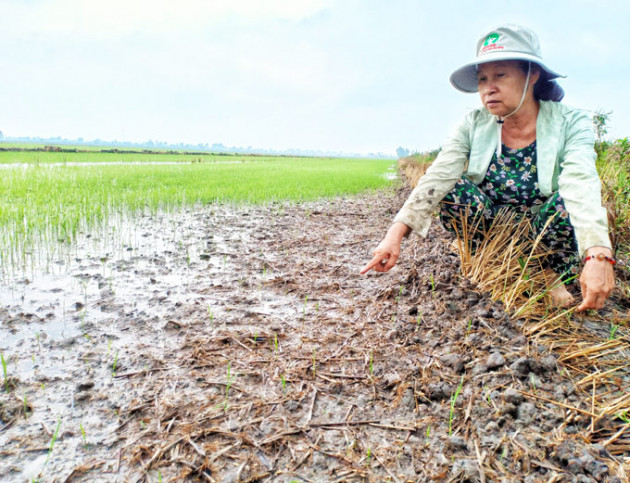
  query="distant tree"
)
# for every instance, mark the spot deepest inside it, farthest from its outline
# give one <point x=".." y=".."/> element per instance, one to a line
<point x="402" y="152"/>
<point x="600" y="119"/>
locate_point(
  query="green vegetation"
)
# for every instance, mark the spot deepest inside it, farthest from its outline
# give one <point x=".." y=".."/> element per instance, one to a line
<point x="613" y="331"/>
<point x="45" y="201"/>
<point x="453" y="402"/>
<point x="4" y="372"/>
<point x="114" y="364"/>
<point x="85" y="445"/>
<point x="415" y="166"/>
<point x="613" y="164"/>
<point x="52" y="441"/>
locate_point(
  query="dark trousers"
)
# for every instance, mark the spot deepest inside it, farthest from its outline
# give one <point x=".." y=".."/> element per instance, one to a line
<point x="467" y="199"/>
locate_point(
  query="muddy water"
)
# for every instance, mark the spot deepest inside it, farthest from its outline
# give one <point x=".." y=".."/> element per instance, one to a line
<point x="241" y="344"/>
<point x="105" y="310"/>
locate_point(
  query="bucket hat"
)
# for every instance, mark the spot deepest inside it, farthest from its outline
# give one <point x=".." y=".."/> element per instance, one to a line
<point x="506" y="42"/>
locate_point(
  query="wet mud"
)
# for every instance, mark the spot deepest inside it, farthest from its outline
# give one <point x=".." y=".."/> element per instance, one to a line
<point x="241" y="344"/>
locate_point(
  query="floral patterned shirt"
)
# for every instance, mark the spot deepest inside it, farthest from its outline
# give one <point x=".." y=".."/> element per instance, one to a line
<point x="513" y="180"/>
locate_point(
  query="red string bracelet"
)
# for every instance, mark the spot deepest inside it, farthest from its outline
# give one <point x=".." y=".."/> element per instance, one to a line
<point x="601" y="257"/>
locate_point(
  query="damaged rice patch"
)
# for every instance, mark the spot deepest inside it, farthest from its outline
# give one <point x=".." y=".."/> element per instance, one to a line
<point x="332" y="375"/>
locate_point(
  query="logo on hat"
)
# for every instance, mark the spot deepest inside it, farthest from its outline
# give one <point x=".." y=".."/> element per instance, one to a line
<point x="490" y="44"/>
<point x="492" y="39"/>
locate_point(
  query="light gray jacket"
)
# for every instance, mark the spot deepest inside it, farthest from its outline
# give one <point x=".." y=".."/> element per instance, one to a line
<point x="566" y="163"/>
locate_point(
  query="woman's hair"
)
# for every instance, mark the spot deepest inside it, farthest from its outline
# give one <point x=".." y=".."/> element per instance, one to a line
<point x="545" y="89"/>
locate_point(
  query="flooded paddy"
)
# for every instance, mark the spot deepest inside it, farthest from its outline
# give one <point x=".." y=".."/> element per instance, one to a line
<point x="241" y="344"/>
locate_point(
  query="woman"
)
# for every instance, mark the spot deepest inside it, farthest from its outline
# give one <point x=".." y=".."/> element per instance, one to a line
<point x="522" y="150"/>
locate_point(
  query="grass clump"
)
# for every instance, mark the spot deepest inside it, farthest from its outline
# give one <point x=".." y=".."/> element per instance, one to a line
<point x="414" y="166"/>
<point x="613" y="164"/>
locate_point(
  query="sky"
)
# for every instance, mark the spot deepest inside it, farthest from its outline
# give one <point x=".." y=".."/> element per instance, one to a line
<point x="355" y="76"/>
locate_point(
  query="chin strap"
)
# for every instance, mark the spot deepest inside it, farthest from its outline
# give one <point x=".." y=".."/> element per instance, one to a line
<point x="501" y="120"/>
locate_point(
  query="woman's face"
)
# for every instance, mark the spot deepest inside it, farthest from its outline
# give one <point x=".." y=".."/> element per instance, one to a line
<point x="501" y="86"/>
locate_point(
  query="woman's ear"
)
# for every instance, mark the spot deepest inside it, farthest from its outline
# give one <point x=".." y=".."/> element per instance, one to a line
<point x="534" y="75"/>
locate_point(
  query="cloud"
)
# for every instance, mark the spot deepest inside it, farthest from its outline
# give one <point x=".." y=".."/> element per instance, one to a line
<point x="116" y="18"/>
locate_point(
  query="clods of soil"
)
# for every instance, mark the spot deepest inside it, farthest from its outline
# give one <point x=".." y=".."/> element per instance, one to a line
<point x="242" y="344"/>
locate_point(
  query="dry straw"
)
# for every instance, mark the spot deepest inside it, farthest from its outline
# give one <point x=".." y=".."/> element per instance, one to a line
<point x="507" y="264"/>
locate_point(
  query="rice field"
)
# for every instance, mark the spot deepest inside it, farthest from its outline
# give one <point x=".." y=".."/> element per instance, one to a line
<point x="48" y="198"/>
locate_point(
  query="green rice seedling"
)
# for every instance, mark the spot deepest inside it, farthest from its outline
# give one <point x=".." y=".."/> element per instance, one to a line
<point x="4" y="372"/>
<point x="368" y="457"/>
<point x="468" y="327"/>
<point x="317" y="307"/>
<point x="613" y="330"/>
<point x="284" y="384"/>
<point x="275" y="343"/>
<point x="314" y="365"/>
<point x="39" y="344"/>
<point x="453" y="402"/>
<point x="53" y="440"/>
<point x="83" y="435"/>
<point x="427" y="436"/>
<point x="432" y="282"/>
<point x="25" y="405"/>
<point x="211" y="317"/>
<point x="400" y="291"/>
<point x="623" y="416"/>
<point x="114" y="365"/>
<point x="418" y="320"/>
<point x="488" y="399"/>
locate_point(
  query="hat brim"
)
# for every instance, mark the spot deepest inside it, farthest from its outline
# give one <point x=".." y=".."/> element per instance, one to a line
<point x="465" y="78"/>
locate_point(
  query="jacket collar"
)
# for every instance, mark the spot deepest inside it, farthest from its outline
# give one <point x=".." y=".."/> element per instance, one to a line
<point x="483" y="144"/>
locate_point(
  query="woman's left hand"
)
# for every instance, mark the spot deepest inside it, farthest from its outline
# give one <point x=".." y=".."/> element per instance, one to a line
<point x="597" y="280"/>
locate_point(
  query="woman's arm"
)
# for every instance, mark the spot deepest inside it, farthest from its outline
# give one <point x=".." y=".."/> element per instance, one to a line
<point x="416" y="213"/>
<point x="580" y="187"/>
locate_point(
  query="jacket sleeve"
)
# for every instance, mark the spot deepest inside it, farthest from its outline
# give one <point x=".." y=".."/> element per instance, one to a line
<point x="439" y="179"/>
<point x="580" y="186"/>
